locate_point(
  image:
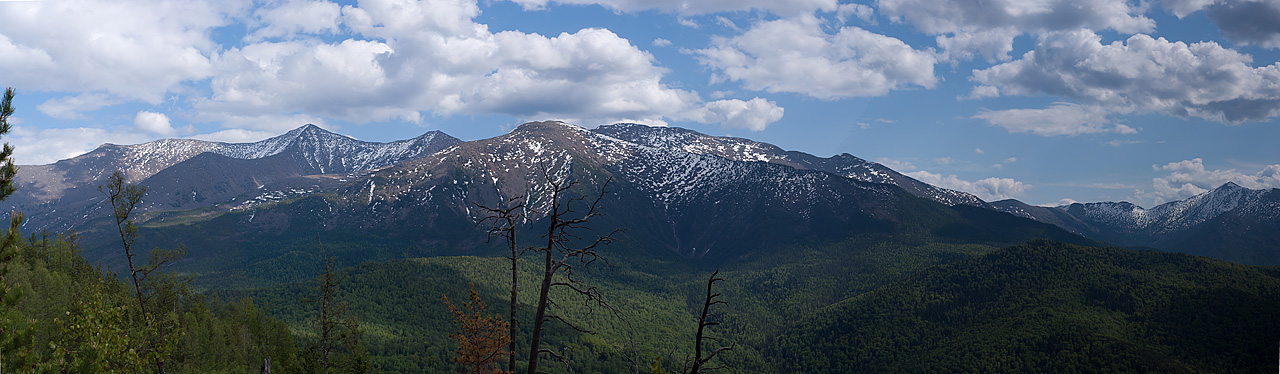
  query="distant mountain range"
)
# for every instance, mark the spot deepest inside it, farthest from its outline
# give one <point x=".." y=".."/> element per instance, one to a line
<point x="695" y="197"/>
<point x="1230" y="222"/>
<point x="187" y="173"/>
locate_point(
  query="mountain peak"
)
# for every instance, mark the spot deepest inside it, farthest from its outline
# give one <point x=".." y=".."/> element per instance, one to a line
<point x="544" y="125"/>
<point x="308" y="129"/>
<point x="1229" y="186"/>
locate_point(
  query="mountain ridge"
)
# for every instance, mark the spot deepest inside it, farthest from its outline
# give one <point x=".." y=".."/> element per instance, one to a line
<point x="740" y="149"/>
<point x="682" y="173"/>
<point x="64" y="194"/>
<point x="1172" y="225"/>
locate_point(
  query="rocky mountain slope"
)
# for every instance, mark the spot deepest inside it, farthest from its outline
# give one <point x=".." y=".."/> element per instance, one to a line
<point x="693" y="197"/>
<point x="676" y="206"/>
<point x="195" y="173"/>
<point x="739" y="149"/>
<point x="1250" y="216"/>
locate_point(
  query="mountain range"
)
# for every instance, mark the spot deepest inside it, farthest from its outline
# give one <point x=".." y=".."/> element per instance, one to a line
<point x="188" y="173"/>
<point x="832" y="264"/>
<point x="696" y="198"/>
<point x="1229" y="222"/>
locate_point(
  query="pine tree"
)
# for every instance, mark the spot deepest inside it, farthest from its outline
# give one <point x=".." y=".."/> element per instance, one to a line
<point x="341" y="347"/>
<point x="94" y="339"/>
<point x="14" y="330"/>
<point x="7" y="170"/>
<point x="482" y="338"/>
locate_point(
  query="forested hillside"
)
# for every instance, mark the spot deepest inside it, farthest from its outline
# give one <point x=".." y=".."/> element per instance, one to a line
<point x="1051" y="307"/>
<point x="62" y="314"/>
<point x="612" y="257"/>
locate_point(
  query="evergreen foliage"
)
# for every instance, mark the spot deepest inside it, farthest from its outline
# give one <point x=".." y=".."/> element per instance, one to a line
<point x="339" y="347"/>
<point x="482" y="338"/>
<point x="1050" y="307"/>
<point x="83" y="319"/>
<point x="7" y="169"/>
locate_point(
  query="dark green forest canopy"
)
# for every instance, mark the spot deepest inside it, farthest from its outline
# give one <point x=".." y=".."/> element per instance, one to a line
<point x="1051" y="307"/>
<point x="867" y="305"/>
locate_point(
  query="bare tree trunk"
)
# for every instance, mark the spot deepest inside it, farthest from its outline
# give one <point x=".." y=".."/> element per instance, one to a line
<point x="703" y="323"/>
<point x="515" y="281"/>
<point x="561" y="242"/>
<point x="505" y="218"/>
<point x="540" y="316"/>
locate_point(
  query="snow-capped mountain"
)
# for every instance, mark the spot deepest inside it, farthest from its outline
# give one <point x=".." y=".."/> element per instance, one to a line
<point x="325" y="152"/>
<point x="739" y="149"/>
<point x="1173" y="225"/>
<point x="1168" y="217"/>
<point x="692" y="199"/>
<point x="677" y="192"/>
<point x="675" y="204"/>
<point x="194" y="173"/>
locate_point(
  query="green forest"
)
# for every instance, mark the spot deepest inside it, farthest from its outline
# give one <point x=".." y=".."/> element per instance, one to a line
<point x="591" y="302"/>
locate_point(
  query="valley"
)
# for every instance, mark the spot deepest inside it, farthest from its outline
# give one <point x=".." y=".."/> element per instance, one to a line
<point x="830" y="264"/>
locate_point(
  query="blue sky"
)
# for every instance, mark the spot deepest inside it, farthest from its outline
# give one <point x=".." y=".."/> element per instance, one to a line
<point x="1039" y="100"/>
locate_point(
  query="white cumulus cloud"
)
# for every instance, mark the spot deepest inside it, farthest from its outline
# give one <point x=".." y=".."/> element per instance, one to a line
<point x="413" y="59"/>
<point x="795" y="55"/>
<point x="155" y="123"/>
<point x="73" y="107"/>
<point x="141" y="50"/>
<point x="1141" y="74"/>
<point x="988" y="189"/>
<point x="1188" y="178"/>
<point x="376" y="60"/>
<point x="686" y="7"/>
<point x="34" y="146"/>
<point x="295" y="17"/>
<point x="1058" y="119"/>
<point x="754" y="115"/>
<point x="968" y="28"/>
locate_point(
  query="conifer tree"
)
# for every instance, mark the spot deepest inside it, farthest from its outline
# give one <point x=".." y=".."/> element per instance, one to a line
<point x="7" y="170"/>
<point x="340" y="347"/>
<point x="159" y="328"/>
<point x="482" y="338"/>
<point x="14" y="331"/>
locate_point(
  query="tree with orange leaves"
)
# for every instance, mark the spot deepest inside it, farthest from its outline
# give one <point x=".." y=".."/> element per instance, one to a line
<point x="482" y="339"/>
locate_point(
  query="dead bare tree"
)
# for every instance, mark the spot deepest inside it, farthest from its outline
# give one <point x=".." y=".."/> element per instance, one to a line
<point x="504" y="220"/>
<point x="707" y="319"/>
<point x="566" y="217"/>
